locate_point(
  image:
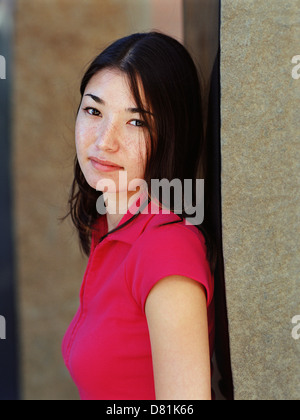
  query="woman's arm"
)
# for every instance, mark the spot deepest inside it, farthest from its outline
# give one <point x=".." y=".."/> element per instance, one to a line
<point x="176" y="312"/>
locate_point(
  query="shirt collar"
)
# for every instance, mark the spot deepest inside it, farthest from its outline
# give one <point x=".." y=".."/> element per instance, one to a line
<point x="129" y="233"/>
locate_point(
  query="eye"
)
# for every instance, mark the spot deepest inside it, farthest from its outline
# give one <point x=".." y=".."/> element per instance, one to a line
<point x="137" y="123"/>
<point x="92" y="111"/>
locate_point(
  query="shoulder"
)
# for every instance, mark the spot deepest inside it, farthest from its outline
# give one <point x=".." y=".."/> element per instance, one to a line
<point x="169" y="225"/>
<point x="167" y="234"/>
<point x="165" y="249"/>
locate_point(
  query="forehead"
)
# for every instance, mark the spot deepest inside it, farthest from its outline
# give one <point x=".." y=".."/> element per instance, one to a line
<point x="112" y="86"/>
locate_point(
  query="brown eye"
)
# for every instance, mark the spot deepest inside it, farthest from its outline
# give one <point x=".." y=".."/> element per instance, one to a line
<point x="92" y="111"/>
<point x="137" y="123"/>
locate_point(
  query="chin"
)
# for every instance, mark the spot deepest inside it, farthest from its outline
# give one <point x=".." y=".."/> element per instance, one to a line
<point x="92" y="181"/>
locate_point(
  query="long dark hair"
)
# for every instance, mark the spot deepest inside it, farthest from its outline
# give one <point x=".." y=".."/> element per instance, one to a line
<point x="173" y="93"/>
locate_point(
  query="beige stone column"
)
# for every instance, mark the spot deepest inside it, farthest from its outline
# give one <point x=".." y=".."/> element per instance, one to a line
<point x="260" y="190"/>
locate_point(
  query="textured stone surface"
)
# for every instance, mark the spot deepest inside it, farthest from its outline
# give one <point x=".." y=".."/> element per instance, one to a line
<point x="260" y="187"/>
<point x="54" y="41"/>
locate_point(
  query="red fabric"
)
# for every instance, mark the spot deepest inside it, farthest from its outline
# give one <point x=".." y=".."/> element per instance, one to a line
<point x="107" y="347"/>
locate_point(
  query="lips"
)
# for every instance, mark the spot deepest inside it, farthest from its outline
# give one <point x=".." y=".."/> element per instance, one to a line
<point x="105" y="165"/>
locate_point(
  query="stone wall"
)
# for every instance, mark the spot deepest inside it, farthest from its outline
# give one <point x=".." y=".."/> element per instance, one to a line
<point x="260" y="189"/>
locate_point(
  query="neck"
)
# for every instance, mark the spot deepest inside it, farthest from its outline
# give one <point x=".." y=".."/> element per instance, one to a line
<point x="117" y="205"/>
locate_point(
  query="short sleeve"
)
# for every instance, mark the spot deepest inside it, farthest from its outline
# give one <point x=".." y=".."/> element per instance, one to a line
<point x="162" y="251"/>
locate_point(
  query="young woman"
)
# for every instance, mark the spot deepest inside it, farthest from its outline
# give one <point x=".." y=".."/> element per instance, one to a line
<point x="144" y="329"/>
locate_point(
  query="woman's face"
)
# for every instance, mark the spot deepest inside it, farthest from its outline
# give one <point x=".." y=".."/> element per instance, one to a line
<point x="110" y="133"/>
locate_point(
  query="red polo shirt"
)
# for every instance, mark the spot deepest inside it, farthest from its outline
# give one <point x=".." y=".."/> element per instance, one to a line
<point x="107" y="346"/>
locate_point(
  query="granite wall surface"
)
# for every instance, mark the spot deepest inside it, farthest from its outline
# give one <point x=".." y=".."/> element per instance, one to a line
<point x="260" y="190"/>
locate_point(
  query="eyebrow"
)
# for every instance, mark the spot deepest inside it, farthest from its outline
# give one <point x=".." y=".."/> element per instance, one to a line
<point x="131" y="110"/>
<point x="96" y="99"/>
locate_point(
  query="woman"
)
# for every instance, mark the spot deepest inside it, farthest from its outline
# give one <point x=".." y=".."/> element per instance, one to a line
<point x="145" y="326"/>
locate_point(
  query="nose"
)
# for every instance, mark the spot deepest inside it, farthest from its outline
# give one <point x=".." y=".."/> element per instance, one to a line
<point x="107" y="137"/>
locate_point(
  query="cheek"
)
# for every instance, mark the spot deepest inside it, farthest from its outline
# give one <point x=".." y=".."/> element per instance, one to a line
<point x="136" y="153"/>
<point x="83" y="137"/>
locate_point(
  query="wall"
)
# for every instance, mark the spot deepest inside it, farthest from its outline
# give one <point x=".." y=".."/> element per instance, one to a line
<point x="260" y="190"/>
